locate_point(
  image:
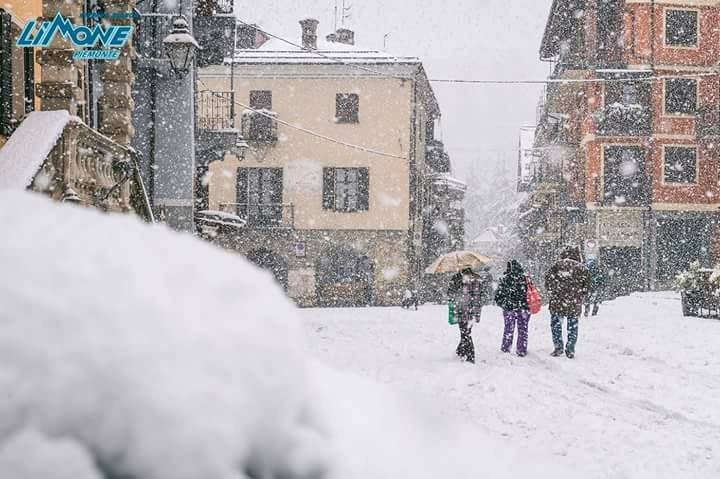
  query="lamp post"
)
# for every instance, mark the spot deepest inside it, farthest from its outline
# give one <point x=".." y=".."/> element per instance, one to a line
<point x="240" y="147"/>
<point x="180" y="47"/>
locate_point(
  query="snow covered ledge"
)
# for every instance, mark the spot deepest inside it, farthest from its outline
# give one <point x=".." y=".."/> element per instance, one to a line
<point x="54" y="153"/>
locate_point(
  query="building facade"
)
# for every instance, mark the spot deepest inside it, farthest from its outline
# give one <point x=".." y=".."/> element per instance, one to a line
<point x="627" y="158"/>
<point x="80" y="156"/>
<point x="19" y="72"/>
<point x="331" y="195"/>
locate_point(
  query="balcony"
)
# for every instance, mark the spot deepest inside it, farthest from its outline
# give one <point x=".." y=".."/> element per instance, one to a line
<point x="260" y="126"/>
<point x="708" y="123"/>
<point x="209" y="8"/>
<point x="261" y="216"/>
<point x="215" y="110"/>
<point x="436" y="157"/>
<point x="214" y="27"/>
<point x="617" y="119"/>
<point x="150" y="29"/>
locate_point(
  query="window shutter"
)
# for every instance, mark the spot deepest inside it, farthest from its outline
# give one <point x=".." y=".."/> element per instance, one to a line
<point x="6" y="115"/>
<point x="242" y="192"/>
<point x="363" y="189"/>
<point x="29" y="60"/>
<point x="328" y="191"/>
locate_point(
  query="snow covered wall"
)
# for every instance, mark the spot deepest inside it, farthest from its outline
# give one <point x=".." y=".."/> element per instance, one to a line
<point x="128" y="350"/>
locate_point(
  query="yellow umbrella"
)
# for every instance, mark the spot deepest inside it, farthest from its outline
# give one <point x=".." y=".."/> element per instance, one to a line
<point x="457" y="261"/>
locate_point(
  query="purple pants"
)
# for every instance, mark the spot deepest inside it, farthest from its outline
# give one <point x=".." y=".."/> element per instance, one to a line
<point x="522" y="318"/>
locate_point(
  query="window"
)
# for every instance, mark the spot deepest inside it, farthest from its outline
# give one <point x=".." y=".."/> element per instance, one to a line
<point x="680" y="164"/>
<point x="260" y="196"/>
<point x="624" y="176"/>
<point x="681" y="96"/>
<point x="681" y="28"/>
<point x="346" y="189"/>
<point x="347" y="107"/>
<point x="261" y="99"/>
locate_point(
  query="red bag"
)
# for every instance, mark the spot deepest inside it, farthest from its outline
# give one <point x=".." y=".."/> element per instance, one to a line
<point x="533" y="297"/>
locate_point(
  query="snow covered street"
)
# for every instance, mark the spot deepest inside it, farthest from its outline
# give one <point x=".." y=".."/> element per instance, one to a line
<point x="640" y="400"/>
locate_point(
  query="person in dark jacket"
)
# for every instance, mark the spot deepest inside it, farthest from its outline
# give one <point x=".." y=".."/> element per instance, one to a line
<point x="511" y="296"/>
<point x="470" y="292"/>
<point x="598" y="280"/>
<point x="567" y="282"/>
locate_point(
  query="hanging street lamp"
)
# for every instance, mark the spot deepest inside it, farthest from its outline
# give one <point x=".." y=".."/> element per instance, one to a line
<point x="180" y="47"/>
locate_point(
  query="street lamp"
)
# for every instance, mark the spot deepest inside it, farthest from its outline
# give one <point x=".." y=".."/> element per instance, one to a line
<point x="180" y="47"/>
<point x="240" y="147"/>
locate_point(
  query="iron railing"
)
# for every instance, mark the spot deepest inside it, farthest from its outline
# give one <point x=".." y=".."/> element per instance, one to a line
<point x="215" y="110"/>
<point x="150" y="29"/>
<point x="267" y="215"/>
<point x="209" y="8"/>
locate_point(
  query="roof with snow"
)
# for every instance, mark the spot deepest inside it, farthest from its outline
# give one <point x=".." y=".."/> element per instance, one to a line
<point x="29" y="146"/>
<point x="279" y="52"/>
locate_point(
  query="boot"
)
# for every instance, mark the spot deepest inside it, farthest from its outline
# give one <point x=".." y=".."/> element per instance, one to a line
<point x="569" y="354"/>
<point x="557" y="353"/>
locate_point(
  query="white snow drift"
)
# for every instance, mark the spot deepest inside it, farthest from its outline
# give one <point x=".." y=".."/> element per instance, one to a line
<point x="128" y="350"/>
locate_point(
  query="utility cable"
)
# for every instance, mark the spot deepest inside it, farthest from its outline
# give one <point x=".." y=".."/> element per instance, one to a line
<point x="305" y="130"/>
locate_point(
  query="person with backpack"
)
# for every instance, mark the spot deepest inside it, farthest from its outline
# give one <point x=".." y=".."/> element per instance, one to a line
<point x="512" y="297"/>
<point x="468" y="292"/>
<point x="567" y="282"/>
<point x="598" y="280"/>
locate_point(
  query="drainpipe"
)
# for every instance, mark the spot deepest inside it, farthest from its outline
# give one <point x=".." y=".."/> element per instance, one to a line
<point x="652" y="34"/>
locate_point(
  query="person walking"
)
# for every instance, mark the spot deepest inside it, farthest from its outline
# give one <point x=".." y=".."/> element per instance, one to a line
<point x="469" y="291"/>
<point x="511" y="296"/>
<point x="567" y="282"/>
<point x="598" y="280"/>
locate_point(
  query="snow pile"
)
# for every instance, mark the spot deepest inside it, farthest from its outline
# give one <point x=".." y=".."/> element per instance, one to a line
<point x="24" y="153"/>
<point x="30" y="455"/>
<point x="153" y="355"/>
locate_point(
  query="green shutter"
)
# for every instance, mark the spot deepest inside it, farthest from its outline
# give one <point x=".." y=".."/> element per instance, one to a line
<point x="363" y="189"/>
<point x="242" y="192"/>
<point x="29" y="74"/>
<point x="328" y="189"/>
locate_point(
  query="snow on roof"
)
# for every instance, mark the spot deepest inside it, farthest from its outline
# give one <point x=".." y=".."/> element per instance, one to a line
<point x="29" y="146"/>
<point x="277" y="51"/>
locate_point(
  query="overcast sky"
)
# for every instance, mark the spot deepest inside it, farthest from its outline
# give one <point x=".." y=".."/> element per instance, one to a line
<point x="477" y="39"/>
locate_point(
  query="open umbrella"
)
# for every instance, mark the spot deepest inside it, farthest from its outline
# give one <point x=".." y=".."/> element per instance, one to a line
<point x="457" y="261"/>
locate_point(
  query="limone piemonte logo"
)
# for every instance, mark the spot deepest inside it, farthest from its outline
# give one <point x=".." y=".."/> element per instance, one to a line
<point x="99" y="42"/>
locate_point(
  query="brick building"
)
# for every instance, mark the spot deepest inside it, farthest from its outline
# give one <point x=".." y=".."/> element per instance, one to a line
<point x="627" y="158"/>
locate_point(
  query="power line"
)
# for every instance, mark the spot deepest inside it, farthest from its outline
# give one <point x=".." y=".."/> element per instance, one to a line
<point x="576" y="80"/>
<point x="309" y="132"/>
<point x="484" y="82"/>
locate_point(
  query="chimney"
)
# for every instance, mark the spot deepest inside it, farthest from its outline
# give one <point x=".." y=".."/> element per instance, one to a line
<point x="345" y="36"/>
<point x="309" y="33"/>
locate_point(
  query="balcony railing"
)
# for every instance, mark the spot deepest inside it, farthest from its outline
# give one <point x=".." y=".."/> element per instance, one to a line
<point x="150" y="29"/>
<point x="624" y="120"/>
<point x="436" y="156"/>
<point x="259" y="126"/>
<point x="209" y="8"/>
<point x="259" y="216"/>
<point x="708" y="122"/>
<point x="215" y="110"/>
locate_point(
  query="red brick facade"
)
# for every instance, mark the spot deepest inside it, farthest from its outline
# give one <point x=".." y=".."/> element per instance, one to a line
<point x="640" y="173"/>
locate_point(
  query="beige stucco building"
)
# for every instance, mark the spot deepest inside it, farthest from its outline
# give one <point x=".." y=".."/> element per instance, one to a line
<point x="330" y="194"/>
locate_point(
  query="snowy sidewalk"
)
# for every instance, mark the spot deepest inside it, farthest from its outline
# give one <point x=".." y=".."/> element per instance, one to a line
<point x="640" y="400"/>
